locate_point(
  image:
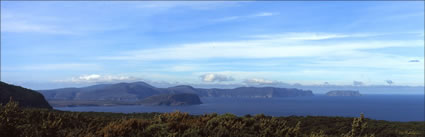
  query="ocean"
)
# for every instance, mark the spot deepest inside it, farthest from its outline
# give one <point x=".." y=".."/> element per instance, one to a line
<point x="379" y="107"/>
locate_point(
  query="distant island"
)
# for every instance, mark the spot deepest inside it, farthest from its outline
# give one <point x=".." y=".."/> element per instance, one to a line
<point x="136" y="92"/>
<point x="343" y="93"/>
<point x="25" y="97"/>
<point x="178" y="99"/>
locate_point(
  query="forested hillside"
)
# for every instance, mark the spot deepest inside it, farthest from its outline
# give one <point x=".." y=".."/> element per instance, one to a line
<point x="25" y="97"/>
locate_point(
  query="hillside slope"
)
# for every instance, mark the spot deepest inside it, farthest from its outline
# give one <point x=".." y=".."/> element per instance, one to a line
<point x="25" y="97"/>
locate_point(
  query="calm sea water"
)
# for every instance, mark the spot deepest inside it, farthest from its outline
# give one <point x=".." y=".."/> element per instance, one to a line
<point x="380" y="107"/>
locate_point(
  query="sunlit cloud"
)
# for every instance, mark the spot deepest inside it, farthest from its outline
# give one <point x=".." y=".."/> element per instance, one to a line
<point x="215" y="77"/>
<point x="261" y="81"/>
<point x="97" y="78"/>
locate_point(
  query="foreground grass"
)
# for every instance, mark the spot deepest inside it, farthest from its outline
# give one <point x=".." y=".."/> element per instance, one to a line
<point x="16" y="122"/>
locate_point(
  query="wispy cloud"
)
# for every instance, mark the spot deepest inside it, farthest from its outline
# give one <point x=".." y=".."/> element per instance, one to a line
<point x="97" y="78"/>
<point x="300" y="36"/>
<point x="261" y="81"/>
<point x="263" y="14"/>
<point x="231" y="18"/>
<point x="202" y="42"/>
<point x="183" y="68"/>
<point x="197" y="5"/>
<point x="54" y="67"/>
<point x="19" y="27"/>
<point x="372" y="60"/>
<point x="270" y="46"/>
<point x="21" y="23"/>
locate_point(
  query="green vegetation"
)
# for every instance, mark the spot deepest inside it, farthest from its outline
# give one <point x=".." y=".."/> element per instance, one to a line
<point x="30" y="122"/>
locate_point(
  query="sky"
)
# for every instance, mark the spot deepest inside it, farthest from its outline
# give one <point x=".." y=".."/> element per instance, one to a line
<point x="49" y="44"/>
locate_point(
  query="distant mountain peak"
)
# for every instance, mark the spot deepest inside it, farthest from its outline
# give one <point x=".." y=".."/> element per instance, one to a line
<point x="183" y="86"/>
<point x="138" y="83"/>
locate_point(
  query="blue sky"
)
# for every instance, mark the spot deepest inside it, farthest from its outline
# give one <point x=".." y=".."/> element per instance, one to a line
<point x="59" y="44"/>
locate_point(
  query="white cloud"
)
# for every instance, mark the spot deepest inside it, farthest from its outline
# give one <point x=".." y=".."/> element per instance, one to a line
<point x="273" y="46"/>
<point x="260" y="81"/>
<point x="303" y="36"/>
<point x="262" y="14"/>
<point x="26" y="22"/>
<point x="215" y="78"/>
<point x="54" y="67"/>
<point x="22" y="23"/>
<point x="89" y="77"/>
<point x="231" y="18"/>
<point x="18" y="27"/>
<point x="316" y="76"/>
<point x="327" y="60"/>
<point x="182" y="68"/>
<point x="228" y="18"/>
<point x="197" y="5"/>
<point x="96" y="78"/>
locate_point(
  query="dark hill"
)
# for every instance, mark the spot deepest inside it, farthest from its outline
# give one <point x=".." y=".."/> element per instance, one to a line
<point x="184" y="89"/>
<point x="25" y="97"/>
<point x="139" y="90"/>
<point x="121" y="92"/>
<point x="172" y="99"/>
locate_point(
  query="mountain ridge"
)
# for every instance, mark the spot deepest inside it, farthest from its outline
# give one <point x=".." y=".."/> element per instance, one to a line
<point x="139" y="90"/>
